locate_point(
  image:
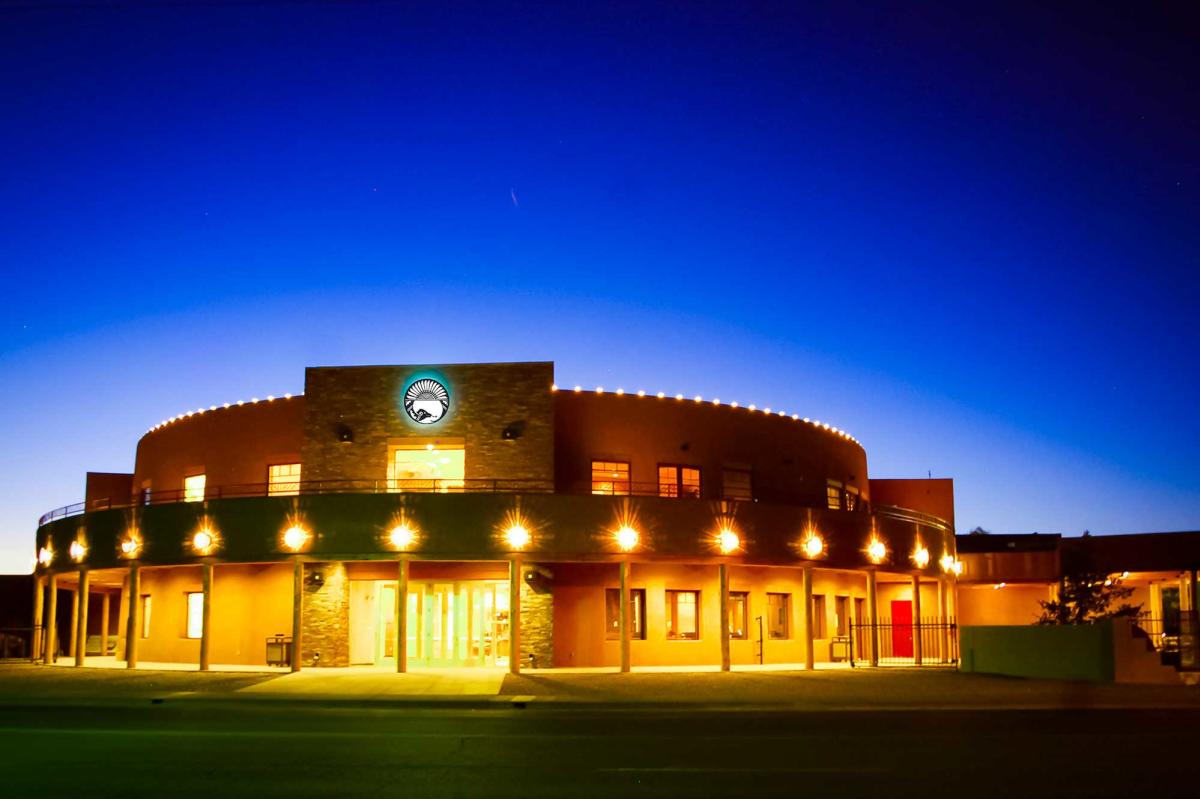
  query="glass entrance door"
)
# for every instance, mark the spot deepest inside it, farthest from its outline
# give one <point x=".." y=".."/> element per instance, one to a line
<point x="463" y="623"/>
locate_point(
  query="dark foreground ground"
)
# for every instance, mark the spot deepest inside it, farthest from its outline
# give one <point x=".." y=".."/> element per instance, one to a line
<point x="90" y="734"/>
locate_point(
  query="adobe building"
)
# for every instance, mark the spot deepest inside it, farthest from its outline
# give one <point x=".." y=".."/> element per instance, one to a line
<point x="476" y="514"/>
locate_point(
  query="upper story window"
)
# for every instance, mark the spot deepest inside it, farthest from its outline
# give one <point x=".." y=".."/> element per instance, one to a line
<point x="426" y="465"/>
<point x="610" y="477"/>
<point x="833" y="494"/>
<point x="735" y="484"/>
<point x="851" y="498"/>
<point x="283" y="479"/>
<point x="146" y="494"/>
<point x="193" y="488"/>
<point x="678" y="481"/>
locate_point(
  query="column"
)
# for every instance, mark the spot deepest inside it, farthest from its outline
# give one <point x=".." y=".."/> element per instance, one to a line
<point x="723" y="574"/>
<point x="943" y="621"/>
<point x="35" y="639"/>
<point x="206" y="615"/>
<point x="104" y="609"/>
<point x="82" y="620"/>
<point x="51" y="636"/>
<point x="133" y="625"/>
<point x="73" y="635"/>
<point x="806" y="579"/>
<point x="918" y="643"/>
<point x="297" y="610"/>
<point x="514" y="615"/>
<point x="402" y="616"/>
<point x="624" y="617"/>
<point x="873" y="613"/>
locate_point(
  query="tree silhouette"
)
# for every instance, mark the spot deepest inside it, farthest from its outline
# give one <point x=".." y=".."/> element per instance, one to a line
<point x="1085" y="594"/>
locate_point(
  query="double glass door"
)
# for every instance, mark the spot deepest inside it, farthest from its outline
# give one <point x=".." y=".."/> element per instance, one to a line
<point x="464" y="623"/>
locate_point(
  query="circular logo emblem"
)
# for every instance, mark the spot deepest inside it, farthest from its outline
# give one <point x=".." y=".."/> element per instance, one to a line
<point x="426" y="401"/>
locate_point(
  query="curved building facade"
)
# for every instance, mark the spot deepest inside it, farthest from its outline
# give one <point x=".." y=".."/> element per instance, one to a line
<point x="477" y="514"/>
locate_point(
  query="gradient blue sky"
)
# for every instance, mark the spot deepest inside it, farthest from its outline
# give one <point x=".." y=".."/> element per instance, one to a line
<point x="968" y="237"/>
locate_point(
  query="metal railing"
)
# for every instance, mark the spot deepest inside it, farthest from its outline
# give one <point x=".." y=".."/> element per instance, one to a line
<point x="894" y="643"/>
<point x="470" y="485"/>
<point x="16" y="643"/>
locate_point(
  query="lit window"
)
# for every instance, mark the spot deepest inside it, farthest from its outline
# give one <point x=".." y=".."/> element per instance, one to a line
<point x="735" y="484"/>
<point x="610" y="477"/>
<point x="833" y="494"/>
<point x="779" y="615"/>
<point x="612" y="613"/>
<point x="678" y="481"/>
<point x="147" y="495"/>
<point x="841" y="615"/>
<point x="431" y="466"/>
<point x="195" y="614"/>
<point x="739" y="611"/>
<point x="283" y="479"/>
<point x="145" y="615"/>
<point x="683" y="615"/>
<point x="819" y="616"/>
<point x="851" y="498"/>
<point x="193" y="488"/>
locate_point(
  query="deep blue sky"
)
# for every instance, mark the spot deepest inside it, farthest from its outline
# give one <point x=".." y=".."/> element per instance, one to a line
<point x="968" y="237"/>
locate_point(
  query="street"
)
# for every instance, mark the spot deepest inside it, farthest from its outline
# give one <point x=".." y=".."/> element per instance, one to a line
<point x="208" y="747"/>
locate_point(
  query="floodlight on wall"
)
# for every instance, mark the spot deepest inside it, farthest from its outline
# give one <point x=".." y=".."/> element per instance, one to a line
<point x="626" y="538"/>
<point x="131" y="544"/>
<point x="516" y="536"/>
<point x="812" y="546"/>
<point x="295" y="537"/>
<point x="920" y="557"/>
<point x="204" y="540"/>
<point x="77" y="551"/>
<point x="402" y="535"/>
<point x="876" y="550"/>
<point x="727" y="540"/>
<point x="45" y="555"/>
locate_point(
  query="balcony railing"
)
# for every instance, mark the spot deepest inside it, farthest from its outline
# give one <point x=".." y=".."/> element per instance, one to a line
<point x="472" y="485"/>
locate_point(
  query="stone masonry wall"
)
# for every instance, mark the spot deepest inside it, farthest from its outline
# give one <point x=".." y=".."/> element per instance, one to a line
<point x="366" y="404"/>
<point x="537" y="627"/>
<point x="326" y="626"/>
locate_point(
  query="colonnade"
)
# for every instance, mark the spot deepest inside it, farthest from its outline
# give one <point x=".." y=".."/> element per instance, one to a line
<point x="45" y="609"/>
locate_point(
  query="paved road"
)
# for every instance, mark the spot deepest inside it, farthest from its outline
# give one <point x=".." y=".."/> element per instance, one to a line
<point x="224" y="749"/>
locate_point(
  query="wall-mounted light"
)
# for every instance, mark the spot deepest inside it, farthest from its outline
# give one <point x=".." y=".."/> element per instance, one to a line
<point x="516" y="536"/>
<point x="947" y="563"/>
<point x="728" y="540"/>
<point x="626" y="538"/>
<point x="77" y="550"/>
<point x="920" y="557"/>
<point x="402" y="535"/>
<point x="204" y="540"/>
<point x="812" y="546"/>
<point x="45" y="555"/>
<point x="295" y="537"/>
<point x="876" y="550"/>
<point x="131" y="544"/>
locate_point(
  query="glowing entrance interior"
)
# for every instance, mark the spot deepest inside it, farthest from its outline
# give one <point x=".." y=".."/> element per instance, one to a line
<point x="427" y="466"/>
<point x="462" y="623"/>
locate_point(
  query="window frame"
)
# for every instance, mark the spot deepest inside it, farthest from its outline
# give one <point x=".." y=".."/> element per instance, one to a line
<point x="188" y="490"/>
<point x="187" y="621"/>
<point x="841" y="615"/>
<point x="785" y="610"/>
<point x="272" y="484"/>
<point x="614" y="482"/>
<point x="820" y="622"/>
<point x="637" y="602"/>
<point x="744" y="597"/>
<point x="672" y="614"/>
<point x="833" y="494"/>
<point x="675" y="488"/>
<point x="727" y="494"/>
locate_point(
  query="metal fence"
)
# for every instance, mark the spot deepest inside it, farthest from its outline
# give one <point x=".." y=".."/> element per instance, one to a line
<point x="897" y="643"/>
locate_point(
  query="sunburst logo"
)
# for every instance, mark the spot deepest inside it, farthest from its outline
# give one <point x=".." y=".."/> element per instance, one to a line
<point x="426" y="401"/>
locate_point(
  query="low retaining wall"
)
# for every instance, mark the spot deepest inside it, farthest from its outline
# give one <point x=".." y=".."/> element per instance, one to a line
<point x="1055" y="652"/>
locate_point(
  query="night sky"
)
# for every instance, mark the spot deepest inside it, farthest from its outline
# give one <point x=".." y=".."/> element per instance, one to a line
<point x="967" y="237"/>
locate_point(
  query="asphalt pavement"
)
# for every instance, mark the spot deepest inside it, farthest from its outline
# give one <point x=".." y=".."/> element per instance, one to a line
<point x="230" y="748"/>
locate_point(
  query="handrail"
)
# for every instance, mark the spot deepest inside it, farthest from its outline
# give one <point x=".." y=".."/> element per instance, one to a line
<point x="469" y="485"/>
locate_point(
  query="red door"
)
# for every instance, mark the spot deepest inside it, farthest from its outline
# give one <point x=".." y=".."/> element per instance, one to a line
<point x="902" y="631"/>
